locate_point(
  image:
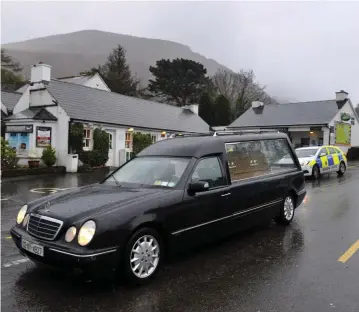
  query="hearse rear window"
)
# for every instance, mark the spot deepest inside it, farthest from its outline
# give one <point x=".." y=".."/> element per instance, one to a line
<point x="257" y="158"/>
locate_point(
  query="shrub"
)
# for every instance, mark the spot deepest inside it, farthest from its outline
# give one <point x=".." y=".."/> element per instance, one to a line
<point x="49" y="156"/>
<point x="76" y="137"/>
<point x="99" y="155"/>
<point x="8" y="155"/>
<point x="92" y="158"/>
<point x="140" y="142"/>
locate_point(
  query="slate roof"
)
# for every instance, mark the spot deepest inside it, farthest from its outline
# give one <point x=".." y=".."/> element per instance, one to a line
<point x="33" y="113"/>
<point x="10" y="99"/>
<point x="93" y="105"/>
<point x="76" y="79"/>
<point x="303" y="113"/>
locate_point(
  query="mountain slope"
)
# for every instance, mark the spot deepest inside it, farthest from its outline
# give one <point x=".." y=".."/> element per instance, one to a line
<point x="69" y="54"/>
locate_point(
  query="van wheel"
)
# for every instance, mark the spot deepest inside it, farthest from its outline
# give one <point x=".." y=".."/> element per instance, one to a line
<point x="287" y="211"/>
<point x="342" y="168"/>
<point x="315" y="172"/>
<point x="142" y="256"/>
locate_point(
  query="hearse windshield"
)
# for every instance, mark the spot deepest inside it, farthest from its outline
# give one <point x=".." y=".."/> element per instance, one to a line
<point x="308" y="152"/>
<point x="155" y="171"/>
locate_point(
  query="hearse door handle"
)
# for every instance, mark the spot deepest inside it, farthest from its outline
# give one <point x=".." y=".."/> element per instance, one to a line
<point x="226" y="195"/>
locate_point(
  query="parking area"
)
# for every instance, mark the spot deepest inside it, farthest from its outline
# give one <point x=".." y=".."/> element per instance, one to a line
<point x="312" y="265"/>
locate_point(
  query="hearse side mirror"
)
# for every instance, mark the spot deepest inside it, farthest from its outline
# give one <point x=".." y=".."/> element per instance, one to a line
<point x="199" y="186"/>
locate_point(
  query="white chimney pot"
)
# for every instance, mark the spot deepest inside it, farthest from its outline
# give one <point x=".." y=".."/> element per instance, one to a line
<point x="257" y="104"/>
<point x="341" y="96"/>
<point x="194" y="108"/>
<point x="40" y="72"/>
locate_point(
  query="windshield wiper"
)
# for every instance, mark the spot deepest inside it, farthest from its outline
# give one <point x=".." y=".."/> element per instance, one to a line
<point x="116" y="181"/>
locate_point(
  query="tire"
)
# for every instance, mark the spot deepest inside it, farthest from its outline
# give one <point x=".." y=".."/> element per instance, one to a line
<point x="342" y="168"/>
<point x="315" y="172"/>
<point x="286" y="211"/>
<point x="141" y="240"/>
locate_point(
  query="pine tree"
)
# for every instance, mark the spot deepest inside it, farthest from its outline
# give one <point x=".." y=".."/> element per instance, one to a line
<point x="179" y="82"/>
<point x="222" y="109"/>
<point x="206" y="108"/>
<point x="11" y="79"/>
<point x="116" y="73"/>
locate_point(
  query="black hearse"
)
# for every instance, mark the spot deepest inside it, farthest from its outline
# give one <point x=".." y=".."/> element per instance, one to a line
<point x="174" y="193"/>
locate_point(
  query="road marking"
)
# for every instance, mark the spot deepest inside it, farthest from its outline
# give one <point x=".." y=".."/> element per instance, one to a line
<point x="15" y="262"/>
<point x="50" y="190"/>
<point x="350" y="252"/>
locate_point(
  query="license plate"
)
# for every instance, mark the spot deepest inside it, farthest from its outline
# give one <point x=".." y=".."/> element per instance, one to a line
<point x="32" y="247"/>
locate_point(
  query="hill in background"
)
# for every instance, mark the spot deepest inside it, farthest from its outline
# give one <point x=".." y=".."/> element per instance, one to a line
<point x="71" y="53"/>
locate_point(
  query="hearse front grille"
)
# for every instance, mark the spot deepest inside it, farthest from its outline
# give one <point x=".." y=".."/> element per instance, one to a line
<point x="43" y="227"/>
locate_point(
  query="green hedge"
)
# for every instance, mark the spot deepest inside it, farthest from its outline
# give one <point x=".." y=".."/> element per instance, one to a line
<point x="99" y="155"/>
<point x="140" y="142"/>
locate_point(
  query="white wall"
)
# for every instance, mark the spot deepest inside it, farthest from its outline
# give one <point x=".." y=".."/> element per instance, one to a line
<point x="97" y="83"/>
<point x="41" y="98"/>
<point x="23" y="103"/>
<point x="354" y="128"/>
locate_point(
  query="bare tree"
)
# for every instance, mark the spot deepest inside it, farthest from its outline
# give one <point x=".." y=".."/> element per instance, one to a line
<point x="241" y="89"/>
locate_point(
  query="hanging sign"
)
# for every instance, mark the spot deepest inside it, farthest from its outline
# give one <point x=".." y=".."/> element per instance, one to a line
<point x="43" y="136"/>
<point x="19" y="129"/>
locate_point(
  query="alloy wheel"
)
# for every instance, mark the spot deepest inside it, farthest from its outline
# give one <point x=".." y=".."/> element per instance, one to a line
<point x="288" y="208"/>
<point x="145" y="256"/>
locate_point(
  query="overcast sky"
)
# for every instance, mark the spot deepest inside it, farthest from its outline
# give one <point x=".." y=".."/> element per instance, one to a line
<point x="299" y="50"/>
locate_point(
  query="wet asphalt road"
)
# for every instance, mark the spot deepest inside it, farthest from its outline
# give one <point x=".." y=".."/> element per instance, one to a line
<point x="270" y="268"/>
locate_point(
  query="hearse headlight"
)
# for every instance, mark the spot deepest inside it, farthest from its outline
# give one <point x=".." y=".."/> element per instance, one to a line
<point x="21" y="214"/>
<point x="70" y="234"/>
<point x="26" y="220"/>
<point x="86" y="233"/>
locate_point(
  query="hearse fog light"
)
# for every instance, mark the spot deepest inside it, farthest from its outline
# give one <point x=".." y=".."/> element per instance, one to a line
<point x="86" y="233"/>
<point x="70" y="234"/>
<point x="21" y="214"/>
<point x="26" y="220"/>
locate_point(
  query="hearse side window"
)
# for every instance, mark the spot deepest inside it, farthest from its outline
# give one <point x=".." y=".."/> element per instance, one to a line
<point x="256" y="158"/>
<point x="209" y="170"/>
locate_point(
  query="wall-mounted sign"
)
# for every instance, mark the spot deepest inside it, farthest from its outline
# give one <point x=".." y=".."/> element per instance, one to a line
<point x="345" y="116"/>
<point x="19" y="129"/>
<point x="342" y="133"/>
<point x="43" y="136"/>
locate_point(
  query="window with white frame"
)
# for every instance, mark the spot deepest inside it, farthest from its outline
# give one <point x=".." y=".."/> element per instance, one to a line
<point x="110" y="140"/>
<point x="128" y="140"/>
<point x="154" y="138"/>
<point x="87" y="138"/>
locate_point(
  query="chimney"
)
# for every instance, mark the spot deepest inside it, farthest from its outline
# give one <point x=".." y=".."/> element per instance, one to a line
<point x="40" y="73"/>
<point x="341" y="98"/>
<point x="192" y="107"/>
<point x="257" y="107"/>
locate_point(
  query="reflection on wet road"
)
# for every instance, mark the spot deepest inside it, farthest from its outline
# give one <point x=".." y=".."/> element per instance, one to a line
<point x="270" y="268"/>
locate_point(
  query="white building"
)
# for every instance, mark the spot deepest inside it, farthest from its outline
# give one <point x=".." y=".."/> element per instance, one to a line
<point x="47" y="107"/>
<point x="331" y="122"/>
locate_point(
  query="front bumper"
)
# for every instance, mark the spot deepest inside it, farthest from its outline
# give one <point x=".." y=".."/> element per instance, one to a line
<point x="307" y="170"/>
<point x="56" y="256"/>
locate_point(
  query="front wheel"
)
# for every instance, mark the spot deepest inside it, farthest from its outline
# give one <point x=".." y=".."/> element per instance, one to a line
<point x="342" y="168"/>
<point x="287" y="211"/>
<point x="142" y="256"/>
<point x="315" y="172"/>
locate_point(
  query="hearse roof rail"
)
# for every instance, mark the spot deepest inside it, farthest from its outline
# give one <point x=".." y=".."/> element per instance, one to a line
<point x="240" y="132"/>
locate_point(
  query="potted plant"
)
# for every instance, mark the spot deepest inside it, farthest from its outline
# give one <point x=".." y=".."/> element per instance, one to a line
<point x="49" y="156"/>
<point x="34" y="160"/>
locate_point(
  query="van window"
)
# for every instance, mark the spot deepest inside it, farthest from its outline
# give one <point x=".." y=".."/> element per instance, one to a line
<point x="257" y="158"/>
